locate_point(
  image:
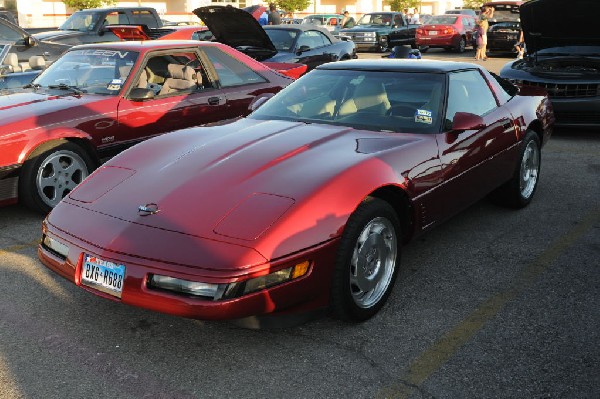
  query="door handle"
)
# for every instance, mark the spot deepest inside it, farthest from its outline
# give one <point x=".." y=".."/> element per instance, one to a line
<point x="214" y="101"/>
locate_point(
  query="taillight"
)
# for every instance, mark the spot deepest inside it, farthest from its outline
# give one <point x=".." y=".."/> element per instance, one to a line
<point x="420" y="31"/>
<point x="449" y="31"/>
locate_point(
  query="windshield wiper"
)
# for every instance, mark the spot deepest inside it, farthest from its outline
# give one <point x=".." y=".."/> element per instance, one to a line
<point x="64" y="86"/>
<point x="34" y="86"/>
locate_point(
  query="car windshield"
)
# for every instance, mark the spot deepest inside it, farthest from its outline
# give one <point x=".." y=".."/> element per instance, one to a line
<point x="442" y="20"/>
<point x="506" y="12"/>
<point x="283" y="39"/>
<point x="375" y="19"/>
<point x="94" y="71"/>
<point x="314" y="20"/>
<point x="367" y="100"/>
<point x="82" y="21"/>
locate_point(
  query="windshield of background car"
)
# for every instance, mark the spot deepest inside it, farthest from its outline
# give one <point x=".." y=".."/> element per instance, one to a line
<point x="94" y="71"/>
<point x="283" y="39"/>
<point x="81" y="21"/>
<point x="375" y="19"/>
<point x="370" y="100"/>
<point x="313" y="20"/>
<point x="8" y="34"/>
<point x="442" y="20"/>
<point x="506" y="12"/>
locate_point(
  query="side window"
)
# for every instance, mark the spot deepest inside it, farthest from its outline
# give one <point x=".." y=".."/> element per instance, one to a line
<point x="324" y="39"/>
<point x="468" y="92"/>
<point x="312" y="39"/>
<point x="116" y="18"/>
<point x="172" y="74"/>
<point x="144" y="17"/>
<point x="231" y="72"/>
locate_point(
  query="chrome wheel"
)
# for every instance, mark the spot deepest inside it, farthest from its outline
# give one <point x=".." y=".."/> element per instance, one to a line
<point x="58" y="174"/>
<point x="530" y="167"/>
<point x="373" y="262"/>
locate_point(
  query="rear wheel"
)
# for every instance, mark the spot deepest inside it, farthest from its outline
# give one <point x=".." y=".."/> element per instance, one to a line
<point x="367" y="261"/>
<point x="460" y="47"/>
<point x="51" y="173"/>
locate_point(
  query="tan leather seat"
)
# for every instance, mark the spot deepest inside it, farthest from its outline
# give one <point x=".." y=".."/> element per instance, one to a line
<point x="13" y="62"/>
<point x="37" y="62"/>
<point x="368" y="97"/>
<point x="182" y="77"/>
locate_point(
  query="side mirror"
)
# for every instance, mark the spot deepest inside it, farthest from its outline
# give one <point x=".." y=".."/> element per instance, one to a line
<point x="258" y="101"/>
<point x="303" y="48"/>
<point x="139" y="94"/>
<point x="467" y="121"/>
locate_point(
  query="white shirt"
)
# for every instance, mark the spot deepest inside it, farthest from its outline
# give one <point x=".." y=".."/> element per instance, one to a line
<point x="414" y="19"/>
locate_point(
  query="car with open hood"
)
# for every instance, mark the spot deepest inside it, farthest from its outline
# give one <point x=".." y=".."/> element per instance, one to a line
<point x="99" y="99"/>
<point x="290" y="43"/>
<point x="566" y="62"/>
<point x="304" y="204"/>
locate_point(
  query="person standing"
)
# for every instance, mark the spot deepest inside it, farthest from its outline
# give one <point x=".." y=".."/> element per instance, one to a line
<point x="274" y="17"/>
<point x="486" y="13"/>
<point x="347" y="21"/>
<point x="415" y="17"/>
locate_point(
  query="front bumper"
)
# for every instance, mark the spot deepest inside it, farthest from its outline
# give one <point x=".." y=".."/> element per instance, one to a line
<point x="577" y="112"/>
<point x="303" y="294"/>
<point x="9" y="184"/>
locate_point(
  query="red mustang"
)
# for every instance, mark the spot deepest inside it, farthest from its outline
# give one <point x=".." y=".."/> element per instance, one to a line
<point x="305" y="203"/>
<point x="99" y="99"/>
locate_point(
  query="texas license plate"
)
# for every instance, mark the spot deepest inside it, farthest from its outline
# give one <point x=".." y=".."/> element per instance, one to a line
<point x="433" y="32"/>
<point x="103" y="275"/>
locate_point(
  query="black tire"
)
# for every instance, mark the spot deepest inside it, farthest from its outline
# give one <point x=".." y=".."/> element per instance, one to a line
<point x="51" y="172"/>
<point x="519" y="190"/>
<point x="460" y="47"/>
<point x="367" y="261"/>
<point x="382" y="48"/>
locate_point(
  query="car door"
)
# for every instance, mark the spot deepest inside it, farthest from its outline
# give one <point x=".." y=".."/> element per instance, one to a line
<point x="317" y="53"/>
<point x="176" y="101"/>
<point x="474" y="162"/>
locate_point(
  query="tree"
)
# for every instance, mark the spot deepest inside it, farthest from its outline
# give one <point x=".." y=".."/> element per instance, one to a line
<point x="399" y="5"/>
<point x="292" y="5"/>
<point x="473" y="4"/>
<point x="83" y="4"/>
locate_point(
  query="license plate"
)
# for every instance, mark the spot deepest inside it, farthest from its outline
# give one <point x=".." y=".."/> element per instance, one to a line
<point x="433" y="32"/>
<point x="103" y="275"/>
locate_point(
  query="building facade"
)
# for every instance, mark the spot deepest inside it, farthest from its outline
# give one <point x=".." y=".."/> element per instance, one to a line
<point x="51" y="13"/>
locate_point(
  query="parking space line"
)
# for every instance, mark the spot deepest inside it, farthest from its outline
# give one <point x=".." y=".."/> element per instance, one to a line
<point x="433" y="358"/>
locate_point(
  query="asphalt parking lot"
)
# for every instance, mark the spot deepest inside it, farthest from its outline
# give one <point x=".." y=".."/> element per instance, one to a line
<point x="493" y="303"/>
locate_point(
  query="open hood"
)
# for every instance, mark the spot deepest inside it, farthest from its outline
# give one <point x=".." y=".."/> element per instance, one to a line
<point x="542" y="28"/>
<point x="239" y="29"/>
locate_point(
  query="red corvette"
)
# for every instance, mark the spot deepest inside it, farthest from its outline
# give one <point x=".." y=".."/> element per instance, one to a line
<point x="99" y="99"/>
<point x="305" y="203"/>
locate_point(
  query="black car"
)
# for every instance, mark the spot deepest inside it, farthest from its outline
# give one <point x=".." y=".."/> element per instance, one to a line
<point x="25" y="45"/>
<point x="564" y="61"/>
<point x="290" y="43"/>
<point x="502" y="36"/>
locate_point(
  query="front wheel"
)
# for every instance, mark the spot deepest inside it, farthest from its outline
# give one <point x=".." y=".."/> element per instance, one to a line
<point x="367" y="261"/>
<point x="519" y="190"/>
<point x="51" y="173"/>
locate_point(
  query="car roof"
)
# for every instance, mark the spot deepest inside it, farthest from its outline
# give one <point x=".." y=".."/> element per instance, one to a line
<point x="399" y="65"/>
<point x="146" y="45"/>
<point x="302" y="27"/>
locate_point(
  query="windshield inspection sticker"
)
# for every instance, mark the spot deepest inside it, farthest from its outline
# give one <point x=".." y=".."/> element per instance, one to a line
<point x="423" y="116"/>
<point x="115" y="84"/>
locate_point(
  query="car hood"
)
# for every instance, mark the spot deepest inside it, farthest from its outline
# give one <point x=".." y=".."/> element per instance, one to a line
<point x="239" y="29"/>
<point x="57" y="35"/>
<point x="542" y="31"/>
<point x="364" y="28"/>
<point x="231" y="183"/>
<point x="31" y="109"/>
